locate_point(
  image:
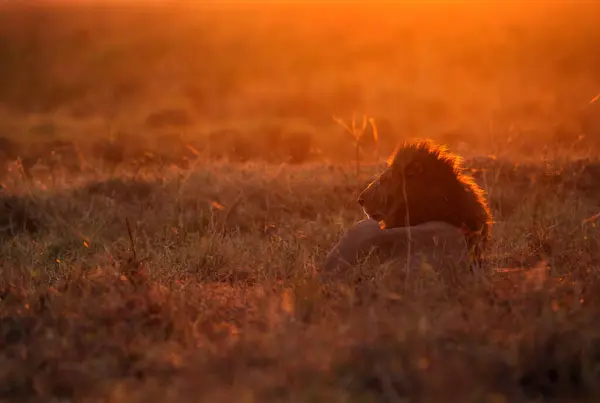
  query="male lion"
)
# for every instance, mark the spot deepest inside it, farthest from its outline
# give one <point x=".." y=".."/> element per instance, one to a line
<point x="420" y="204"/>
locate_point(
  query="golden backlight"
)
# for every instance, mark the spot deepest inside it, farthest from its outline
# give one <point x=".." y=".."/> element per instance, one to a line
<point x="427" y="68"/>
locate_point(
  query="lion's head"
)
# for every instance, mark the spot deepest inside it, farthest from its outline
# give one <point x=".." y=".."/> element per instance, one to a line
<point x="423" y="182"/>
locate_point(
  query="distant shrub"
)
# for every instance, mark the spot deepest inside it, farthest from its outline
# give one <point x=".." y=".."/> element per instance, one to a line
<point x="9" y="149"/>
<point x="272" y="141"/>
<point x="62" y="154"/>
<point x="172" y="148"/>
<point x="109" y="152"/>
<point x="245" y="147"/>
<point x="46" y="129"/>
<point x="299" y="145"/>
<point x="120" y="148"/>
<point x="165" y="118"/>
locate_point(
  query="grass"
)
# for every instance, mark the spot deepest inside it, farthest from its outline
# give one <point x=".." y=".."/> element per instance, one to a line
<point x="216" y="295"/>
<point x="149" y="274"/>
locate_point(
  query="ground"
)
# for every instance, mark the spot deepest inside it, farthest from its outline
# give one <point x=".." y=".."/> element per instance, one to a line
<point x="217" y="294"/>
<point x="168" y="197"/>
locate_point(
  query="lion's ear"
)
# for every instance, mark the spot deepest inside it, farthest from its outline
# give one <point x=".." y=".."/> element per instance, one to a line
<point x="415" y="168"/>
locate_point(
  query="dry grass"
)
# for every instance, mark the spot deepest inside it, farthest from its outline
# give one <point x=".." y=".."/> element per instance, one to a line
<point x="135" y="268"/>
<point x="219" y="298"/>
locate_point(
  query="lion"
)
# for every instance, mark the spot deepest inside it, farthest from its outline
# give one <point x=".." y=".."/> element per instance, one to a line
<point x="422" y="203"/>
<point x="436" y="243"/>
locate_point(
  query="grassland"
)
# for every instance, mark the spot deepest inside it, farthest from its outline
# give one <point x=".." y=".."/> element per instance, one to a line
<point x="161" y="236"/>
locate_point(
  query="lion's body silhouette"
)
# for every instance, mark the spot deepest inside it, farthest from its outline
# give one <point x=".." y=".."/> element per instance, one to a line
<point x="426" y="206"/>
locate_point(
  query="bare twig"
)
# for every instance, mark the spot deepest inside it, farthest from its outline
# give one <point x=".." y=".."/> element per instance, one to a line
<point x="376" y="139"/>
<point x="131" y="240"/>
<point x="357" y="133"/>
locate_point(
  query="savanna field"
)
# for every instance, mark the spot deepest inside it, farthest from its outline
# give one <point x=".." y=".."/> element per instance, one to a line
<point x="173" y="176"/>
